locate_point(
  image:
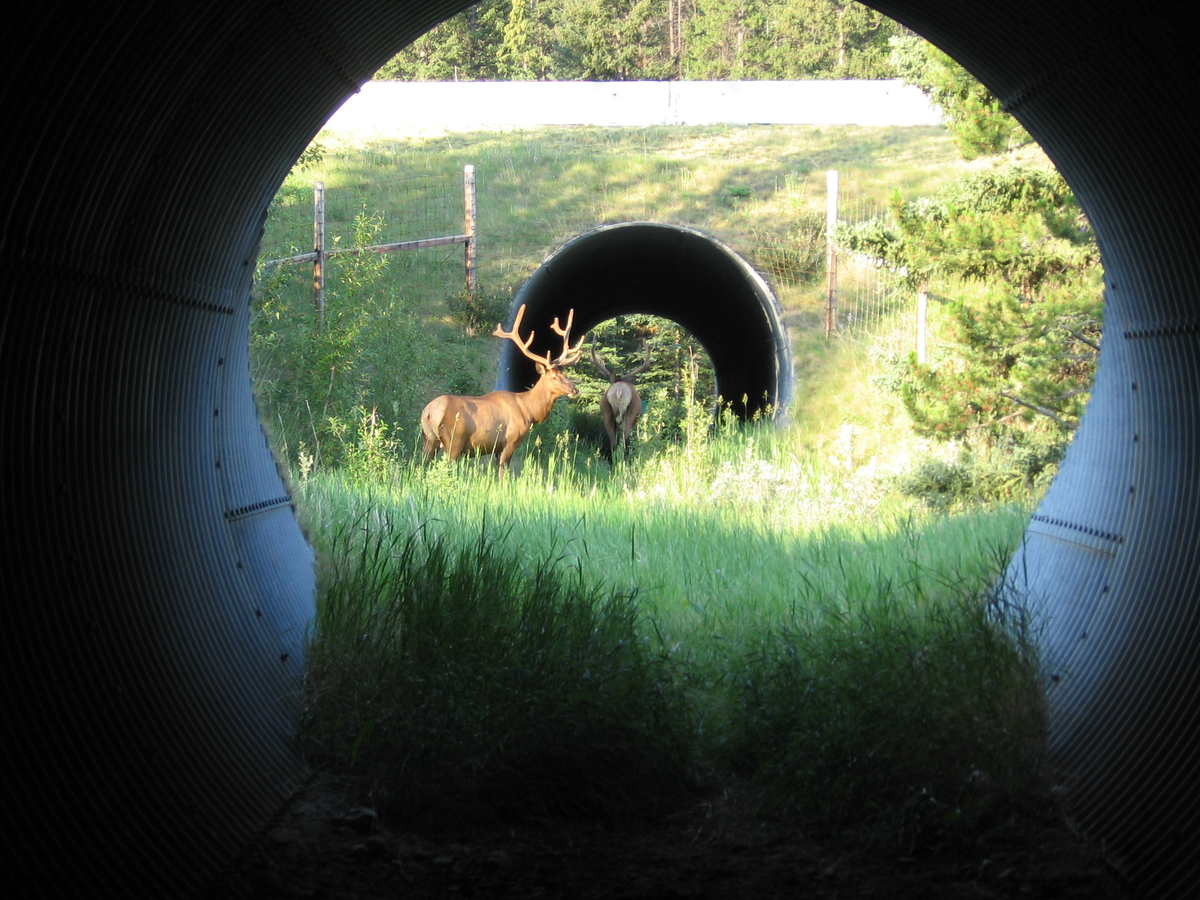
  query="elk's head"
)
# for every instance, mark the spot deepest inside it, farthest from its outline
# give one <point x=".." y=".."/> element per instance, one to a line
<point x="551" y="372"/>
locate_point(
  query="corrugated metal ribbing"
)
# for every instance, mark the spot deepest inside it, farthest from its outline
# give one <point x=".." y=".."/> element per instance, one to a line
<point x="1110" y="556"/>
<point x="155" y="577"/>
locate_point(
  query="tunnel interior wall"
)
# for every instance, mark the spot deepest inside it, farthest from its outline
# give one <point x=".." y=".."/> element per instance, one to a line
<point x="1109" y="559"/>
<point x="669" y="271"/>
<point x="156" y="581"/>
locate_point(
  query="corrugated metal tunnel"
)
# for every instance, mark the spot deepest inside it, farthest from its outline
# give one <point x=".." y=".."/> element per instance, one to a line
<point x="679" y="274"/>
<point x="156" y="584"/>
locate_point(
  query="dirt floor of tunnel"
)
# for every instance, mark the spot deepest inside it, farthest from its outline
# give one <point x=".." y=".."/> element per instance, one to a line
<point x="717" y="845"/>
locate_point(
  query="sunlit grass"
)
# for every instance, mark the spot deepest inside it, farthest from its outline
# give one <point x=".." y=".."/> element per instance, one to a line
<point x="774" y="618"/>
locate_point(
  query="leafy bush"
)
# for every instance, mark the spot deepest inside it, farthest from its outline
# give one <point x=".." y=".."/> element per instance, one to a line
<point x="974" y="114"/>
<point x="1015" y="363"/>
<point x="1025" y="347"/>
<point x="313" y="155"/>
<point x="313" y="375"/>
<point x="372" y="456"/>
<point x="1017" y="466"/>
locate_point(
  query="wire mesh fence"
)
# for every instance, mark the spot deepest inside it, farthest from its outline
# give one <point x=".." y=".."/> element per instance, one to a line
<point x="412" y="207"/>
<point x="873" y="304"/>
<point x="370" y="217"/>
<point x="512" y="240"/>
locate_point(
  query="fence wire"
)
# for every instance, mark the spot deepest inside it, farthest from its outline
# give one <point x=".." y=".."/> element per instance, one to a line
<point x="378" y="212"/>
<point x="874" y="307"/>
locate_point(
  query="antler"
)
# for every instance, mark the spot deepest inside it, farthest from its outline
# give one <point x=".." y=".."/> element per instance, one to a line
<point x="570" y="355"/>
<point x="645" y="363"/>
<point x="599" y="364"/>
<point x="514" y="336"/>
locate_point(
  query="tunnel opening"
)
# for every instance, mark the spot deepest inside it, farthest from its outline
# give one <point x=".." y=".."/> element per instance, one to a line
<point x="677" y="273"/>
<point x="120" y="336"/>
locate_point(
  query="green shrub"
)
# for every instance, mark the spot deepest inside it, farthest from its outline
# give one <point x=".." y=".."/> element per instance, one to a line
<point x="477" y="311"/>
<point x="797" y="259"/>
<point x="1014" y="466"/>
<point x="972" y="112"/>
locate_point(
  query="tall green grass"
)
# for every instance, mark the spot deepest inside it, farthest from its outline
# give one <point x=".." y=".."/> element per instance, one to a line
<point x="575" y="640"/>
<point x="913" y="713"/>
<point x="467" y="682"/>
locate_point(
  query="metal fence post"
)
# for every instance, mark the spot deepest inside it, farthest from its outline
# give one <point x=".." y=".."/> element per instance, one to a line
<point x="319" y="249"/>
<point x="469" y="250"/>
<point x="831" y="214"/>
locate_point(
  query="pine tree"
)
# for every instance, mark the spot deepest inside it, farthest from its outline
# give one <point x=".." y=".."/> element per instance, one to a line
<point x="1025" y="352"/>
<point x="973" y="113"/>
<point x="463" y="48"/>
<point x="521" y="56"/>
<point x="609" y="40"/>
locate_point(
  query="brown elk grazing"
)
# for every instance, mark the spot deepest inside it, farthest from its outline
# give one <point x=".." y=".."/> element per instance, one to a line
<point x="620" y="404"/>
<point x="497" y="423"/>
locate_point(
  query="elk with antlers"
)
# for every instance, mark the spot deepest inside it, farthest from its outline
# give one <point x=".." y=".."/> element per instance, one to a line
<point x="620" y="404"/>
<point x="497" y="423"/>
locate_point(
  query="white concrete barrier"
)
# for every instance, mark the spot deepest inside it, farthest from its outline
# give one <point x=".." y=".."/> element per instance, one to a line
<point x="390" y="107"/>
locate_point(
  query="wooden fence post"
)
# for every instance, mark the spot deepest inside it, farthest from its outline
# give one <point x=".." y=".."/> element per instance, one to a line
<point x="469" y="248"/>
<point x="922" y="315"/>
<point x="831" y="214"/>
<point x="319" y="249"/>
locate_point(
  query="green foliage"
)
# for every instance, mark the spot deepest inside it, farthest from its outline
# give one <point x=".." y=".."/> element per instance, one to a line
<point x="785" y="40"/>
<point x="478" y="311"/>
<point x="1011" y="362"/>
<point x="609" y="40"/>
<point x="907" y="720"/>
<point x="652" y="40"/>
<point x="980" y="125"/>
<point x="313" y="374"/>
<point x="800" y="257"/>
<point x="1016" y="465"/>
<point x="1020" y="225"/>
<point x="465" y="681"/>
<point x="522" y="55"/>
<point x="1025" y="346"/>
<point x="313" y="155"/>
<point x="371" y="457"/>
<point x="463" y="47"/>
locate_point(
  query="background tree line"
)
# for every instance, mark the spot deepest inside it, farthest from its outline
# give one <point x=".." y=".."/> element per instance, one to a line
<point x="626" y="40"/>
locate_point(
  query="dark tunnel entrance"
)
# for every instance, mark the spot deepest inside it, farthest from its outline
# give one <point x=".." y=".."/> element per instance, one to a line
<point x="157" y="578"/>
<point x="679" y="274"/>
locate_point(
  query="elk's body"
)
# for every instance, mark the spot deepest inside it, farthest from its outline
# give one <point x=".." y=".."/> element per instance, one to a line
<point x="620" y="405"/>
<point x="498" y="423"/>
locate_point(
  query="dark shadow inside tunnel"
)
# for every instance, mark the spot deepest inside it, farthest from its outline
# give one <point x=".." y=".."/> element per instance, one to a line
<point x="156" y="577"/>
<point x="679" y="274"/>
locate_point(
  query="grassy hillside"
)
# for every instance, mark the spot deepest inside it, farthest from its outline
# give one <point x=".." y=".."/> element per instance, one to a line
<point x="747" y="186"/>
